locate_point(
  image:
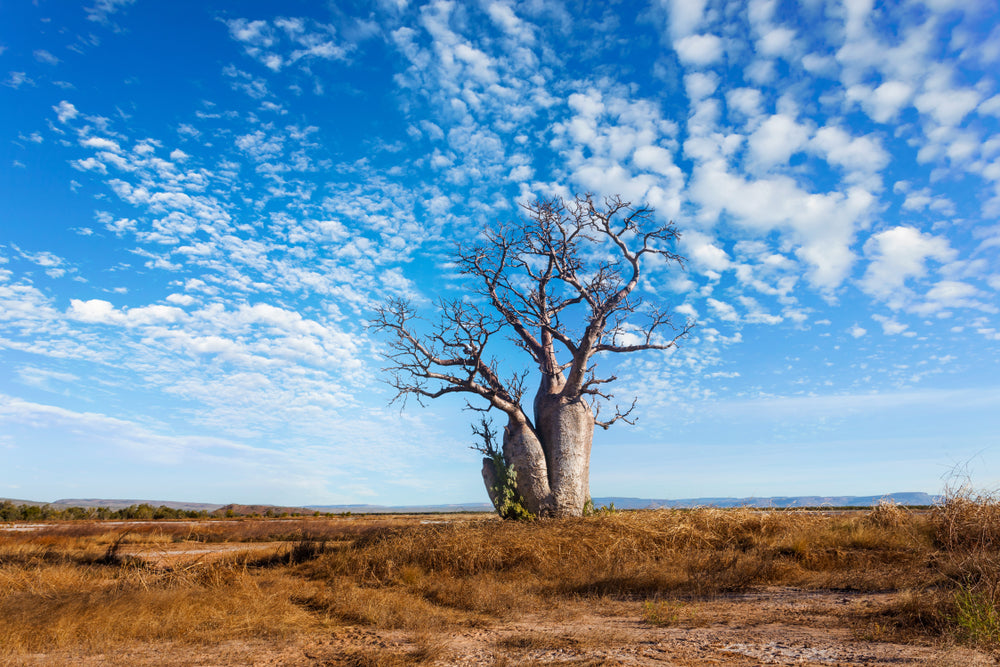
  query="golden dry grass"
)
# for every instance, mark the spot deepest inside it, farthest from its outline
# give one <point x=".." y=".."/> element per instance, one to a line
<point x="71" y="587"/>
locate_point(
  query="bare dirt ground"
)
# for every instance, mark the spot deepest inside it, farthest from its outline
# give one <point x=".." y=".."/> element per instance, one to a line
<point x="770" y="627"/>
<point x="185" y="555"/>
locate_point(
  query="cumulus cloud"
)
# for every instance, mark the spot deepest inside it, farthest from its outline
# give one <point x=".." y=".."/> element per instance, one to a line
<point x="65" y="111"/>
<point x="899" y="254"/>
<point x="884" y="102"/>
<point x="723" y="310"/>
<point x="703" y="252"/>
<point x="94" y="310"/>
<point x="855" y="154"/>
<point x="699" y="49"/>
<point x="950" y="294"/>
<point x="747" y="101"/>
<point x="776" y="42"/>
<point x="890" y="326"/>
<point x="947" y="106"/>
<point x="822" y="225"/>
<point x="776" y="140"/>
<point x="101" y="143"/>
<point x="685" y="16"/>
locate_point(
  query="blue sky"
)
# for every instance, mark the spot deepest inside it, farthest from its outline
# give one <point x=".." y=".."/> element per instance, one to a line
<point x="201" y="204"/>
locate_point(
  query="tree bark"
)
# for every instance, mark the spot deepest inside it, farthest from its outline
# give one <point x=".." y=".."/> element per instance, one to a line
<point x="526" y="454"/>
<point x="551" y="458"/>
<point x="566" y="429"/>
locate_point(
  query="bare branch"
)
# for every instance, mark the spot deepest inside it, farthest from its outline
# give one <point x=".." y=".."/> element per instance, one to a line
<point x="485" y="431"/>
<point x="618" y="416"/>
<point x="538" y="281"/>
<point x="458" y="341"/>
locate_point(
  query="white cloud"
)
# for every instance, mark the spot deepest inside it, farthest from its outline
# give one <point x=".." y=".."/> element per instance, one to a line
<point x="747" y="101"/>
<point x="883" y="103"/>
<point x="44" y="56"/>
<point x="102" y="9"/>
<point x="776" y="42"/>
<point x="857" y="331"/>
<point x="991" y="106"/>
<point x="723" y="310"/>
<point x="100" y="143"/>
<point x="94" y="310"/>
<point x="688" y="311"/>
<point x="823" y="225"/>
<point x="657" y="159"/>
<point x="776" y="140"/>
<point x="703" y="252"/>
<point x="503" y="16"/>
<point x="947" y="106"/>
<point x="890" y="327"/>
<point x="948" y="294"/>
<point x="756" y="313"/>
<point x="899" y="254"/>
<point x="65" y="111"/>
<point x="255" y="33"/>
<point x="860" y="154"/>
<point x="181" y="299"/>
<point x="700" y="84"/>
<point x="685" y="16"/>
<point x="699" y="50"/>
<point x="17" y="79"/>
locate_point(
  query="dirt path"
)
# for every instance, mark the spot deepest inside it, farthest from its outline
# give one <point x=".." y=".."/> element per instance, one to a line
<point x="187" y="553"/>
<point x="772" y="627"/>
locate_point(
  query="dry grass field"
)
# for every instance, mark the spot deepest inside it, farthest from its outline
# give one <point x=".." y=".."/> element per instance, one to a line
<point x="680" y="587"/>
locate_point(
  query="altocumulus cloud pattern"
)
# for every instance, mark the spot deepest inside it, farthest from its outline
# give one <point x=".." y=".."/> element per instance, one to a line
<point x="203" y="202"/>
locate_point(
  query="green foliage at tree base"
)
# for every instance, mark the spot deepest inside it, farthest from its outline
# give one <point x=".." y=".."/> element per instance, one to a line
<point x="506" y="499"/>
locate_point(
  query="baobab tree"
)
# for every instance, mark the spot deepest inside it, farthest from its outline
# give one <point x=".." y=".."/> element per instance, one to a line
<point x="561" y="284"/>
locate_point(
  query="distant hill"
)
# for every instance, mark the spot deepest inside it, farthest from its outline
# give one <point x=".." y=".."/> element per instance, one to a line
<point x="903" y="498"/>
<point x="403" y="509"/>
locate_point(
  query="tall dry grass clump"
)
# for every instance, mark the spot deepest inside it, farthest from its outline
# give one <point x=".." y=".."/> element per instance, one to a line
<point x="967" y="528"/>
<point x="888" y="514"/>
<point x="967" y="520"/>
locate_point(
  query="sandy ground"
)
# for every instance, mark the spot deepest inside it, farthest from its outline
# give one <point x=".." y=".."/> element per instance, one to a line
<point x="771" y="627"/>
<point x="185" y="554"/>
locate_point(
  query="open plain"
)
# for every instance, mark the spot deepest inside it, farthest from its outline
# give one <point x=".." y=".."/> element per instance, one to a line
<point x="888" y="586"/>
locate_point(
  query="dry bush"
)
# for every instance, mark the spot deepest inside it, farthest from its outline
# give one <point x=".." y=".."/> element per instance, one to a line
<point x="968" y="520"/>
<point x="887" y="514"/>
<point x="967" y="528"/>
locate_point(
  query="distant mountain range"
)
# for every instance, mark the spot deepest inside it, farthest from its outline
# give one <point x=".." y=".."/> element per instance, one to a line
<point x="903" y="498"/>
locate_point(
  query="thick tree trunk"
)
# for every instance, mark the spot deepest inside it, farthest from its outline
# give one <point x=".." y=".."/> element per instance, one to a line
<point x="551" y="458"/>
<point x="523" y="450"/>
<point x="566" y="428"/>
